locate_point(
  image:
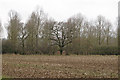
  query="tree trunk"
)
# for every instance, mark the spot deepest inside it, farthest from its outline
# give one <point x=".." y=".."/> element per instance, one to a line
<point x="67" y="53"/>
<point x="107" y="41"/>
<point x="23" y="47"/>
<point x="99" y="40"/>
<point x="61" y="51"/>
<point x="37" y="44"/>
<point x="53" y="52"/>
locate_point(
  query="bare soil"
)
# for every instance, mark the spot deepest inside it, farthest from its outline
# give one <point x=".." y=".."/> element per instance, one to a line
<point x="73" y="66"/>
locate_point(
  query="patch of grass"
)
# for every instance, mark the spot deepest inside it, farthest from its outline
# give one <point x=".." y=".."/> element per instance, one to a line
<point x="5" y="78"/>
<point x="21" y="65"/>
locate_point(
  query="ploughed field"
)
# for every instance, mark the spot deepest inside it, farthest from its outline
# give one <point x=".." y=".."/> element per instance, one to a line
<point x="54" y="66"/>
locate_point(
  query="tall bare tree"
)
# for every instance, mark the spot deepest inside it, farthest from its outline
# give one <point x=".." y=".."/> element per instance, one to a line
<point x="14" y="29"/>
<point x="78" y="21"/>
<point x="46" y="43"/>
<point x="31" y="31"/>
<point x="1" y="30"/>
<point x="108" y="31"/>
<point x="23" y="36"/>
<point x="41" y="18"/>
<point x="34" y="29"/>
<point x="100" y="27"/>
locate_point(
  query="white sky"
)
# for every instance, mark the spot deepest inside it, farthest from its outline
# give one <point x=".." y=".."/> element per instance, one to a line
<point x="61" y="10"/>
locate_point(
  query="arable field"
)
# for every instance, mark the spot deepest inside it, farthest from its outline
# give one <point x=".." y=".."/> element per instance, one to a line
<point x="73" y="66"/>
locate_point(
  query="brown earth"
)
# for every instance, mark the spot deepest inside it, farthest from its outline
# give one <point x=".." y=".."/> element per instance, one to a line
<point x="44" y="66"/>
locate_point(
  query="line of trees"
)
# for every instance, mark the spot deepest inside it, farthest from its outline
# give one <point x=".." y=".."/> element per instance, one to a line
<point x="43" y="35"/>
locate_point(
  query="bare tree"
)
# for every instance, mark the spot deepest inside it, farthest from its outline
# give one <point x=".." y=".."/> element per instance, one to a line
<point x="108" y="31"/>
<point x="43" y="35"/>
<point x="41" y="18"/>
<point x="1" y="31"/>
<point x="78" y="21"/>
<point x="46" y="44"/>
<point x="62" y="34"/>
<point x="31" y="31"/>
<point x="100" y="27"/>
<point x="34" y="29"/>
<point x="14" y="29"/>
<point x="23" y="36"/>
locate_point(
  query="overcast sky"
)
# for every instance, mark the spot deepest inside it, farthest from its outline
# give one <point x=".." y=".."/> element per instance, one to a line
<point x="61" y="10"/>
